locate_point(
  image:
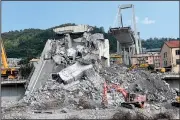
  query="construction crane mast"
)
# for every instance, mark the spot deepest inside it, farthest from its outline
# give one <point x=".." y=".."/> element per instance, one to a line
<point x="6" y="71"/>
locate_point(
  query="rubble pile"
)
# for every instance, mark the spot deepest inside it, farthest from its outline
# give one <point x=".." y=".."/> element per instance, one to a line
<point x="90" y="86"/>
<point x="142" y="81"/>
<point x="54" y="94"/>
<point x="82" y="54"/>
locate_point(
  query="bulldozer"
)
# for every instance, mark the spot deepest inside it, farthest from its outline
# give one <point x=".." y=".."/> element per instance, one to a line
<point x="6" y="71"/>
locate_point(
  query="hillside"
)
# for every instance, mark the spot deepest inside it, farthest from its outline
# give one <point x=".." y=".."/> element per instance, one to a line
<point x="29" y="43"/>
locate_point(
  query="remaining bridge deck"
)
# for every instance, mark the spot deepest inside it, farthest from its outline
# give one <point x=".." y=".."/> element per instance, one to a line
<point x="124" y="35"/>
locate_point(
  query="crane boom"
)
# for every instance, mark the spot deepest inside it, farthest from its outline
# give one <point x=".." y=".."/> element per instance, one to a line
<point x="3" y="56"/>
<point x="6" y="71"/>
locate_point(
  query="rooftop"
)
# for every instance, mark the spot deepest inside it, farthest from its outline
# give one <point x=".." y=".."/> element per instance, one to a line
<point x="152" y="50"/>
<point x="173" y="43"/>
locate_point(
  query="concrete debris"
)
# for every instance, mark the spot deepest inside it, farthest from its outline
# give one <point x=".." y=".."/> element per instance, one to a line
<point x="156" y="89"/>
<point x="90" y="85"/>
<point x="72" y="73"/>
<point x="67" y="50"/>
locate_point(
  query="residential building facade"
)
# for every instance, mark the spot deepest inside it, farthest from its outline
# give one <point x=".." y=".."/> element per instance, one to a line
<point x="149" y="58"/>
<point x="170" y="52"/>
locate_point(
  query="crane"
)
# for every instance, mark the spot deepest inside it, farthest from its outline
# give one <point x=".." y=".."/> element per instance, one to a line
<point x="6" y="71"/>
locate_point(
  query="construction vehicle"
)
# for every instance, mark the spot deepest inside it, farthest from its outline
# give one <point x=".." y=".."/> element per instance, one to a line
<point x="132" y="100"/>
<point x="177" y="102"/>
<point x="162" y="70"/>
<point x="115" y="58"/>
<point x="147" y="66"/>
<point x="6" y="71"/>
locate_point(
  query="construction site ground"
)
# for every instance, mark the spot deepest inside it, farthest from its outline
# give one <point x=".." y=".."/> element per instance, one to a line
<point x="149" y="112"/>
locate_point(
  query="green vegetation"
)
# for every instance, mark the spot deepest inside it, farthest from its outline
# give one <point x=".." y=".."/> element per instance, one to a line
<point x="25" y="70"/>
<point x="29" y="43"/>
<point x="155" y="42"/>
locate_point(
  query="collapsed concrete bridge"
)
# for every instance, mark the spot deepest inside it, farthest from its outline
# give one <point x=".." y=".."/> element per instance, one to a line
<point x="128" y="40"/>
<point x="76" y="48"/>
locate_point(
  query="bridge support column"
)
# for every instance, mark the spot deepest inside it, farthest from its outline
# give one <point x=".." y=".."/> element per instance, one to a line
<point x="119" y="48"/>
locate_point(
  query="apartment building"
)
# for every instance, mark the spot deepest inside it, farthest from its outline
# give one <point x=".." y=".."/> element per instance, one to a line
<point x="149" y="58"/>
<point x="170" y="58"/>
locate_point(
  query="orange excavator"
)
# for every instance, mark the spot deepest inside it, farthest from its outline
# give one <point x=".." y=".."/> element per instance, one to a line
<point x="6" y="71"/>
<point x="132" y="100"/>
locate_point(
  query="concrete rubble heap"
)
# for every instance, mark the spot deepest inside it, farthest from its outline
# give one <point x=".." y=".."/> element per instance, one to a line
<point x="141" y="81"/>
<point x="86" y="67"/>
<point x="76" y="51"/>
<point x="81" y="57"/>
<point x="90" y="86"/>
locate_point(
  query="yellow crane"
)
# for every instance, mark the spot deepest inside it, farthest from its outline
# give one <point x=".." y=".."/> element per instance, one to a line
<point x="6" y="71"/>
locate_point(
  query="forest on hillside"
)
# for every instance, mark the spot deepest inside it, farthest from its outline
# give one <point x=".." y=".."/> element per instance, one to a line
<point x="29" y="43"/>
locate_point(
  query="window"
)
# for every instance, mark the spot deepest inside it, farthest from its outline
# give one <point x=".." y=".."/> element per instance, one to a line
<point x="177" y="52"/>
<point x="177" y="61"/>
<point x="165" y="54"/>
<point x="165" y="63"/>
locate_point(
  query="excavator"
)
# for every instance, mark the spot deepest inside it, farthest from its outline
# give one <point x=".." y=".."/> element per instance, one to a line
<point x="132" y="100"/>
<point x="6" y="71"/>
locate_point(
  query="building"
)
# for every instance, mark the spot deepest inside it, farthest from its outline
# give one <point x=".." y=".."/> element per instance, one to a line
<point x="144" y="50"/>
<point x="13" y="62"/>
<point x="170" y="55"/>
<point x="149" y="58"/>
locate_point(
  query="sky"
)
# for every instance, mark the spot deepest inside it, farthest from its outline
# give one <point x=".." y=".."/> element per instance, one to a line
<point x="153" y="19"/>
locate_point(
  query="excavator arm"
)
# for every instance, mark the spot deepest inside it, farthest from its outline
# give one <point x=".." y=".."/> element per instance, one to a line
<point x="131" y="100"/>
<point x="115" y="87"/>
<point x="121" y="90"/>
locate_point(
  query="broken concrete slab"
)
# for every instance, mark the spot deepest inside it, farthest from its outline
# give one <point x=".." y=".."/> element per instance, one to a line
<point x="73" y="29"/>
<point x="73" y="73"/>
<point x="58" y="59"/>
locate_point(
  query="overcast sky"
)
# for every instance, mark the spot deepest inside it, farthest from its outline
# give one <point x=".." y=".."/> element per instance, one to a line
<point x="154" y="19"/>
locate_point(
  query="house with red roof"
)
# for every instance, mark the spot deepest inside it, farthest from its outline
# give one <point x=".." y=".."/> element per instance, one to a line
<point x="170" y="55"/>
